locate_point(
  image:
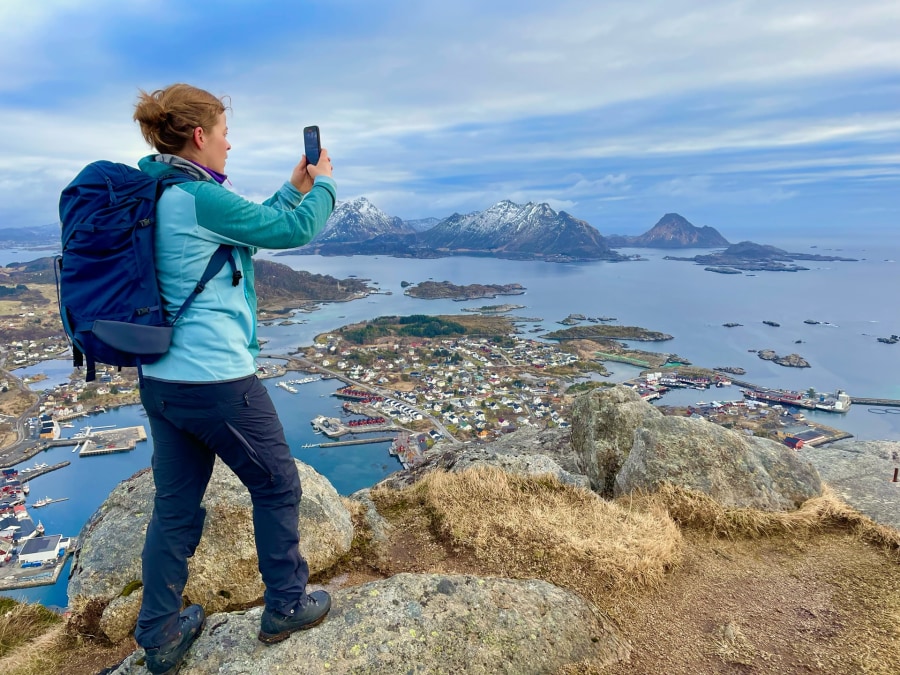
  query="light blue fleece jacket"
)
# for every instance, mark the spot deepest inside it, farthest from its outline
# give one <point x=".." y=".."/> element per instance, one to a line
<point x="215" y="340"/>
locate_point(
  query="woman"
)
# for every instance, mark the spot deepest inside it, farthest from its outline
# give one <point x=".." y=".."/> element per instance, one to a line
<point x="203" y="398"/>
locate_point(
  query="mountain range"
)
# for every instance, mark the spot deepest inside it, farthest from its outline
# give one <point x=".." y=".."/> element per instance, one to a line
<point x="505" y="230"/>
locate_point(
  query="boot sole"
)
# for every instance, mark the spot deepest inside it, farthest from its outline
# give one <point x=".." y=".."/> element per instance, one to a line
<point x="272" y="638"/>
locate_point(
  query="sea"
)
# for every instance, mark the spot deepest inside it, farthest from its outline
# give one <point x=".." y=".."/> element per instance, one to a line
<point x="854" y="303"/>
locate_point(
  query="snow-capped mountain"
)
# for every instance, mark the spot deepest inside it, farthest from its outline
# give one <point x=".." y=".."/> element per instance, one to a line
<point x="359" y="220"/>
<point x="507" y="229"/>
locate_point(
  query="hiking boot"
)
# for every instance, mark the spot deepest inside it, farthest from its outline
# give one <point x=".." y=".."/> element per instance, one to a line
<point x="166" y="660"/>
<point x="276" y="627"/>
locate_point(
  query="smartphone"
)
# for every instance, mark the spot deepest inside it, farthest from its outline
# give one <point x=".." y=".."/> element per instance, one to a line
<point x="311" y="144"/>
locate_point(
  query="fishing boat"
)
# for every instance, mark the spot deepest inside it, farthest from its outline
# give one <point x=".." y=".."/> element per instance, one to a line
<point x="48" y="500"/>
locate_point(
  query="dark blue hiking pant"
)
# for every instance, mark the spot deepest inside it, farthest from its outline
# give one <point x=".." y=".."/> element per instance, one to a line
<point x="191" y="424"/>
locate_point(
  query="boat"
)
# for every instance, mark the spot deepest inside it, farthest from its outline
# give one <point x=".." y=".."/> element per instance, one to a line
<point x="286" y="387"/>
<point x="47" y="500"/>
<point x="306" y="380"/>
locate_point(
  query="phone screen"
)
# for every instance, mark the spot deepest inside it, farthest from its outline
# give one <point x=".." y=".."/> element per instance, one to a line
<point x="311" y="145"/>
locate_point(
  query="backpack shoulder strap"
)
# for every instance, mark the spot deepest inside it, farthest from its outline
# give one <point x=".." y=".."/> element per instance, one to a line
<point x="223" y="254"/>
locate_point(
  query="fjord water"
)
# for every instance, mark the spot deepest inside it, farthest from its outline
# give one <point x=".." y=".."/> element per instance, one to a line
<point x="855" y="301"/>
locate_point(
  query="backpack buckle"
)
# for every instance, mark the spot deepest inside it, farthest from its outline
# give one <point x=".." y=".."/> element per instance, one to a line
<point x="236" y="277"/>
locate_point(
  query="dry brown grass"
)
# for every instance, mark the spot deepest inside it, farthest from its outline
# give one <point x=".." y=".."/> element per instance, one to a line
<point x="526" y="527"/>
<point x="41" y="655"/>
<point x="693" y="586"/>
<point x="699" y="511"/>
<point x="21" y="622"/>
<point x="15" y="401"/>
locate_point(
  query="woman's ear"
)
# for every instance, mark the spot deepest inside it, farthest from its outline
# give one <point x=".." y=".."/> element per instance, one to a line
<point x="198" y="138"/>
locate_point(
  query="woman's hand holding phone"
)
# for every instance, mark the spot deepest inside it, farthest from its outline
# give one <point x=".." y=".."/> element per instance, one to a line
<point x="323" y="168"/>
<point x="304" y="174"/>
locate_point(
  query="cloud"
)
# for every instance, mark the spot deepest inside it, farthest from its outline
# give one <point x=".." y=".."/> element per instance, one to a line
<point x="428" y="108"/>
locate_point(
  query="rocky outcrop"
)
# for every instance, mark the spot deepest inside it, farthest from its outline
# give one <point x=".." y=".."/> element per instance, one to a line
<point x="734" y="469"/>
<point x="104" y="589"/>
<point x="603" y="425"/>
<point x="418" y="623"/>
<point x="537" y="450"/>
<point x="522" y="465"/>
<point x="862" y="473"/>
<point x="624" y="444"/>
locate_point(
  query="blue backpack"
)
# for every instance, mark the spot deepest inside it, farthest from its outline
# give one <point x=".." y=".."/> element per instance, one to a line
<point x="109" y="298"/>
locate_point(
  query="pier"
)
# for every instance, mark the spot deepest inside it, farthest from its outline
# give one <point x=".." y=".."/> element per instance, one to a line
<point x="25" y="476"/>
<point x="104" y="442"/>
<point x="876" y="401"/>
<point x="114" y="440"/>
<point x="853" y="399"/>
<point x="357" y="441"/>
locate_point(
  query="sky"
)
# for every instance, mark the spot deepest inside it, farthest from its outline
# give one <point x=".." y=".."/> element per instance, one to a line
<point x="747" y="116"/>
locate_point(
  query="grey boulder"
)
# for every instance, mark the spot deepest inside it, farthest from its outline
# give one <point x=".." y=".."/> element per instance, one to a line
<point x="104" y="586"/>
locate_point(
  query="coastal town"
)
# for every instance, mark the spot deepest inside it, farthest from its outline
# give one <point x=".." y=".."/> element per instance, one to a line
<point x="461" y="379"/>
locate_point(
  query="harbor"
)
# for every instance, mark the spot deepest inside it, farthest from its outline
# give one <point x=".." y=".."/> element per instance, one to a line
<point x="28" y="556"/>
<point x="774" y="414"/>
<point x="38" y="561"/>
<point x="335" y="428"/>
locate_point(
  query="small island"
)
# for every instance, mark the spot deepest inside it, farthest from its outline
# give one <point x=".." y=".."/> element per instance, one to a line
<point x="572" y="320"/>
<point x="789" y="361"/>
<point x="774" y="324"/>
<point x="606" y="332"/>
<point x="748" y="256"/>
<point x="732" y="324"/>
<point x="444" y="290"/>
<point x="493" y="309"/>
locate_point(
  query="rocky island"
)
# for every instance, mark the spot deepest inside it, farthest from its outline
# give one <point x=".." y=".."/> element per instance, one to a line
<point x="790" y="361"/>
<point x="493" y="309"/>
<point x="748" y="256"/>
<point x="606" y="332"/>
<point x="444" y="290"/>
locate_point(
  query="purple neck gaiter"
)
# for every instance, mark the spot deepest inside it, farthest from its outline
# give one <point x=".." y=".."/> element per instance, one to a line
<point x="220" y="178"/>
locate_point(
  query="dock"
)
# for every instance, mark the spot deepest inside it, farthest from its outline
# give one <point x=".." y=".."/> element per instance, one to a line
<point x="860" y="400"/>
<point x="46" y="502"/>
<point x="876" y="401"/>
<point x="102" y="442"/>
<point x="26" y="476"/>
<point x="357" y="441"/>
